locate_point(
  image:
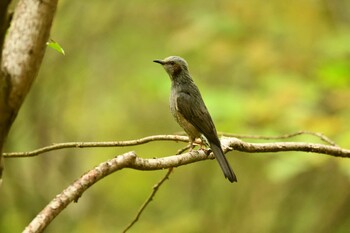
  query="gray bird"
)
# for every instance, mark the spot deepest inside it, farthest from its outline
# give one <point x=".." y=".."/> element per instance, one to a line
<point x="189" y="110"/>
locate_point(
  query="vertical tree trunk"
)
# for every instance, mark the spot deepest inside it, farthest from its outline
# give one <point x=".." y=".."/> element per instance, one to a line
<point x="22" y="54"/>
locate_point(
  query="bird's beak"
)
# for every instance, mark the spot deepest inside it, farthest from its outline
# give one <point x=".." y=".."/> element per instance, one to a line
<point x="159" y="61"/>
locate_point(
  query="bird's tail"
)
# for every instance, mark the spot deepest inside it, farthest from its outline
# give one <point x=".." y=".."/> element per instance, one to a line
<point x="225" y="166"/>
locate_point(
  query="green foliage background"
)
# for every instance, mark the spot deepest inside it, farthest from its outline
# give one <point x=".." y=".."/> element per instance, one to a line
<point x="264" y="68"/>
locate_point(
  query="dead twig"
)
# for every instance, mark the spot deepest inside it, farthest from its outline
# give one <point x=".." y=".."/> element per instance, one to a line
<point x="155" y="190"/>
<point x="149" y="199"/>
<point x="285" y="136"/>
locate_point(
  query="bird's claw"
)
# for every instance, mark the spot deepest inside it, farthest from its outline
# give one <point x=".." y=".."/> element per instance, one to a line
<point x="207" y="151"/>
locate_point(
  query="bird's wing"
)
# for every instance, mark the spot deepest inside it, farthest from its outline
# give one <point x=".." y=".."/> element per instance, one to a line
<point x="194" y="111"/>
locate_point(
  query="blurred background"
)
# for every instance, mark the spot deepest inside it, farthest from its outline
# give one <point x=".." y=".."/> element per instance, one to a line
<point x="263" y="69"/>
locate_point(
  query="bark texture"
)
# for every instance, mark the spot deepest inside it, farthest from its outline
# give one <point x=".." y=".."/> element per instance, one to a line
<point x="22" y="53"/>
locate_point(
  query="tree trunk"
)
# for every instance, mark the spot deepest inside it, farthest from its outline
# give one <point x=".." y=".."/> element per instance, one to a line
<point x="22" y="53"/>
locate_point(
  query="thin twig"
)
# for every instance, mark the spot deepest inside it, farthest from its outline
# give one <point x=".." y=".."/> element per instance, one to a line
<point x="182" y="150"/>
<point x="149" y="199"/>
<point x="285" y="136"/>
<point x="58" y="146"/>
<point x="155" y="189"/>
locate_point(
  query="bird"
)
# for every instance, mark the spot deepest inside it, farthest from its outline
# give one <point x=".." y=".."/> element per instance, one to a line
<point x="190" y="112"/>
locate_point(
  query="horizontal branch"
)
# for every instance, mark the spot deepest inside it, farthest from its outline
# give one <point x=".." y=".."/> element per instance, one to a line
<point x="65" y="145"/>
<point x="239" y="145"/>
<point x="232" y="142"/>
<point x="285" y="136"/>
<point x="131" y="160"/>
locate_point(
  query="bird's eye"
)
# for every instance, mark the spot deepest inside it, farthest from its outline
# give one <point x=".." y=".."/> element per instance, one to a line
<point x="172" y="63"/>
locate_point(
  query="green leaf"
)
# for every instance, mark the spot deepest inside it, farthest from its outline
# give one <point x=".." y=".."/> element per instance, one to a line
<point x="54" y="45"/>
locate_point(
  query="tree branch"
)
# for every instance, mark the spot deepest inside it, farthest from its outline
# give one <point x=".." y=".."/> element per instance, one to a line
<point x="229" y="142"/>
<point x="75" y="190"/>
<point x="58" y="146"/>
<point x="149" y="199"/>
<point x="130" y="160"/>
<point x="154" y="191"/>
<point x="285" y="136"/>
<point x="127" y="160"/>
<point x="239" y="145"/>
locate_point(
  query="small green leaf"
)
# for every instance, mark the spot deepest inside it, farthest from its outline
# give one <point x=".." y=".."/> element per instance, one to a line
<point x="54" y="45"/>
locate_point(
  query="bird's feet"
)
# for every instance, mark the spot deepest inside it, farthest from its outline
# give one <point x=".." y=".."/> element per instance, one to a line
<point x="196" y="142"/>
<point x="202" y="143"/>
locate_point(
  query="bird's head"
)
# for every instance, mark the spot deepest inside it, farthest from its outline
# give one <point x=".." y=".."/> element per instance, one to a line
<point x="173" y="65"/>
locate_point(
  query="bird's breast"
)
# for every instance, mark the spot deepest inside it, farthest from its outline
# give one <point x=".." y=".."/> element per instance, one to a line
<point x="180" y="119"/>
